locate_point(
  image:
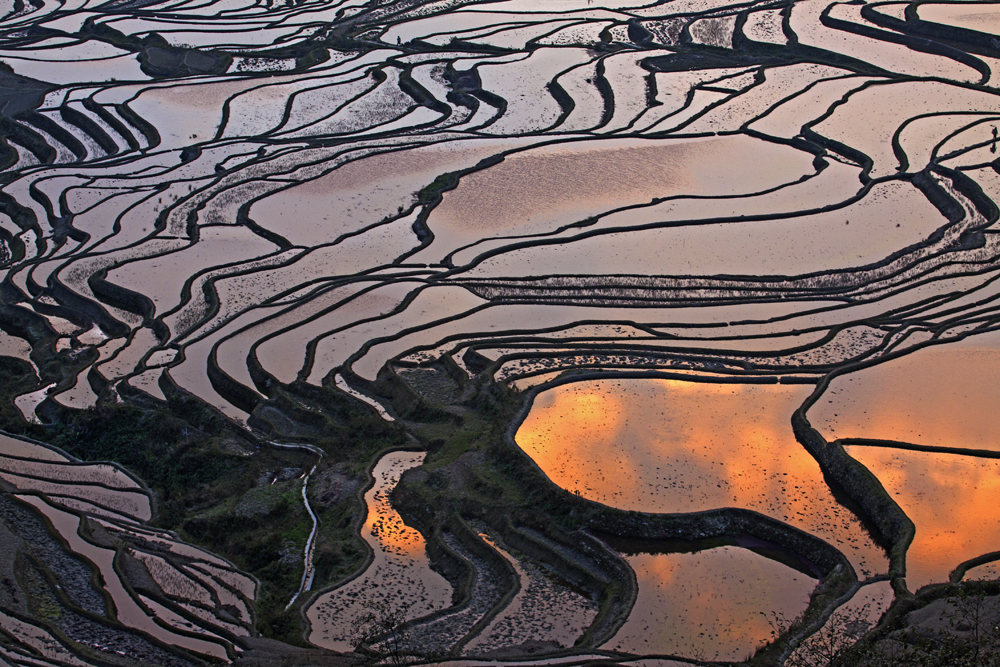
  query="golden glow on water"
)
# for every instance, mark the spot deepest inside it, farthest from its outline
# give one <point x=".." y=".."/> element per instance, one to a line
<point x="673" y="446"/>
<point x="952" y="500"/>
<point x="709" y="603"/>
<point x="945" y="396"/>
<point x="399" y="571"/>
<point x="387" y="528"/>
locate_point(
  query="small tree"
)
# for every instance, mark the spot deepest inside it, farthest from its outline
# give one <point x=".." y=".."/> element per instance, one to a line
<point x="974" y="640"/>
<point x="381" y="631"/>
<point x="833" y="639"/>
<point x="969" y="636"/>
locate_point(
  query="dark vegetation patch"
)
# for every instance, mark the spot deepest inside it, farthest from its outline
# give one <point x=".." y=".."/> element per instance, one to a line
<point x="212" y="480"/>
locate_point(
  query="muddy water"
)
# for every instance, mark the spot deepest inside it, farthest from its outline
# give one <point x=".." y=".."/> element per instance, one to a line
<point x="399" y="572"/>
<point x="805" y="22"/>
<point x="27" y="403"/>
<point x="540" y="189"/>
<point x="14" y="447"/>
<point x="366" y="191"/>
<point x="971" y="16"/>
<point x="98" y="473"/>
<point x="12" y="346"/>
<point x="942" y="396"/>
<point x="910" y="99"/>
<point x="672" y="446"/>
<point x="162" y="277"/>
<point x="832" y="186"/>
<point x="430" y="305"/>
<point x="127" y="609"/>
<point x="544" y="609"/>
<point x="897" y="215"/>
<point x="984" y="572"/>
<point x="709" y="605"/>
<point x="38" y="639"/>
<point x="134" y="504"/>
<point x="181" y="113"/>
<point x="171" y="580"/>
<point x="500" y="318"/>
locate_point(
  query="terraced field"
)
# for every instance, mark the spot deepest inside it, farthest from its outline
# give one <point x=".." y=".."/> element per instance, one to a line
<point x="683" y="313"/>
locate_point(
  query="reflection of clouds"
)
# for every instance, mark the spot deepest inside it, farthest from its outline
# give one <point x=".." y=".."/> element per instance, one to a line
<point x="952" y="501"/>
<point x="708" y="603"/>
<point x="672" y="446"/>
<point x="942" y="396"/>
<point x="662" y="571"/>
<point x="668" y="446"/>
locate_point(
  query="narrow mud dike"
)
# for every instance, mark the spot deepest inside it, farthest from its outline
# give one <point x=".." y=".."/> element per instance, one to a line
<point x="420" y="226"/>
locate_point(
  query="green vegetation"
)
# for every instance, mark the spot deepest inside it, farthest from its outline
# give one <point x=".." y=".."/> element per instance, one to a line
<point x="338" y="553"/>
<point x="16" y="377"/>
<point x="225" y="488"/>
<point x="211" y="479"/>
<point x="41" y="602"/>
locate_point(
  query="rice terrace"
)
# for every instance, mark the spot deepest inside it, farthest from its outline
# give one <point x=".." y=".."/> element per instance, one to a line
<point x="499" y="332"/>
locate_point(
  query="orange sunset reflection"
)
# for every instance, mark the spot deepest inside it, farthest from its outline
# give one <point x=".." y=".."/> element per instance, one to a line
<point x="386" y="526"/>
<point x="952" y="500"/>
<point x="708" y="603"/>
<point x="398" y="573"/>
<point x="943" y="396"/>
<point x="673" y="446"/>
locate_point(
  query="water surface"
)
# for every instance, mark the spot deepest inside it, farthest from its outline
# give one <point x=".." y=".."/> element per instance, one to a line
<point x="399" y="572"/>
<point x="709" y="605"/>
<point x="951" y="500"/>
<point x="674" y="446"/>
<point x="942" y="396"/>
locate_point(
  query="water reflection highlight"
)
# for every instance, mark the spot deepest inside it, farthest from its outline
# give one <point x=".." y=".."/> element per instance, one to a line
<point x="709" y="605"/>
<point x="672" y="446"/>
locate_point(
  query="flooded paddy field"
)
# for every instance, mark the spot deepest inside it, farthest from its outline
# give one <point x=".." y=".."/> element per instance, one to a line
<point x="711" y="604"/>
<point x="488" y="332"/>
<point x="937" y="397"/>
<point x="670" y="446"/>
<point x="398" y="571"/>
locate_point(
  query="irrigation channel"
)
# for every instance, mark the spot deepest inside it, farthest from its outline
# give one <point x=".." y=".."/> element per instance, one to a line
<point x="482" y="332"/>
<point x="308" y="572"/>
